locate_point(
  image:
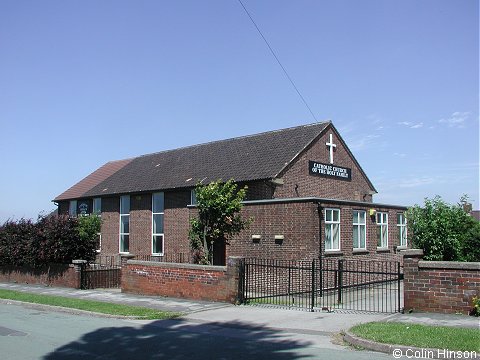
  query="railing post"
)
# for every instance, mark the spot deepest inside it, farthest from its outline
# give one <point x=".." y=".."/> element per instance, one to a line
<point x="398" y="286"/>
<point x="340" y="281"/>
<point x="241" y="282"/>
<point x="321" y="275"/>
<point x="312" y="305"/>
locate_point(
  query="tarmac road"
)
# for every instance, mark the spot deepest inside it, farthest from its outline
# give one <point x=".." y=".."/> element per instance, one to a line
<point x="31" y="332"/>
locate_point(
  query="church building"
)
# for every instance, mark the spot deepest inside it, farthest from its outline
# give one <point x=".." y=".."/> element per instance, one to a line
<point x="307" y="197"/>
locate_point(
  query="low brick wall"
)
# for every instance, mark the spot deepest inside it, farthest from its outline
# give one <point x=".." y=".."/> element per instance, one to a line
<point x="62" y="275"/>
<point x="439" y="286"/>
<point x="198" y="282"/>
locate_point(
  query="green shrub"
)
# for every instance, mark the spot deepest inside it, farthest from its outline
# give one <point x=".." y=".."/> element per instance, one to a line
<point x="55" y="239"/>
<point x="16" y="242"/>
<point x="445" y="232"/>
<point x="475" y="306"/>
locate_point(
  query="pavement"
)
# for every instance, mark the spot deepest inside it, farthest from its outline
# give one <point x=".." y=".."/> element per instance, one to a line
<point x="319" y="328"/>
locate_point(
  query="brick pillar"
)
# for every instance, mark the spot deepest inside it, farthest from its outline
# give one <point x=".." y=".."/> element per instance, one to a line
<point x="124" y="258"/>
<point x="410" y="272"/>
<point x="235" y="274"/>
<point x="79" y="265"/>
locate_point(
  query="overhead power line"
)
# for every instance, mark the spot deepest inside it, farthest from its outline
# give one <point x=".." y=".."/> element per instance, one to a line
<point x="278" y="61"/>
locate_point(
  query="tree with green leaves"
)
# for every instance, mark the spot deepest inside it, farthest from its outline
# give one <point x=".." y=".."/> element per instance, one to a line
<point x="218" y="204"/>
<point x="445" y="232"/>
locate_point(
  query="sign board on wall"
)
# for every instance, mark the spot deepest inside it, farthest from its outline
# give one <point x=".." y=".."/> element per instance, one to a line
<point x="329" y="170"/>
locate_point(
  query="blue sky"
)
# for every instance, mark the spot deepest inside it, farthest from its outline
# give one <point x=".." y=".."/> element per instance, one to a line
<point x="86" y="82"/>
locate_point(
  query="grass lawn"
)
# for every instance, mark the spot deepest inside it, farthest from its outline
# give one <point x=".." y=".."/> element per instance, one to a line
<point x="421" y="336"/>
<point x="89" y="305"/>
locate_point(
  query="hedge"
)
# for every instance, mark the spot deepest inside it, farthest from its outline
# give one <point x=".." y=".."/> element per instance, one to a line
<point x="52" y="239"/>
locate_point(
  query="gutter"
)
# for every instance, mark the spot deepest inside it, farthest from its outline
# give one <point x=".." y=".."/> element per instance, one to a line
<point x="318" y="200"/>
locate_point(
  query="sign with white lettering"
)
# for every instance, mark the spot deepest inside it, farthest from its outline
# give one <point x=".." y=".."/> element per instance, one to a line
<point x="328" y="170"/>
<point x="83" y="208"/>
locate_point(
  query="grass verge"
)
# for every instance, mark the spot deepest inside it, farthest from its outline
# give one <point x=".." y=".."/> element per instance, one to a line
<point x="136" y="312"/>
<point x="421" y="336"/>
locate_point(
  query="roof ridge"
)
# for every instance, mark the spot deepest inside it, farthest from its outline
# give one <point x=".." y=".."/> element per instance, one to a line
<point x="230" y="139"/>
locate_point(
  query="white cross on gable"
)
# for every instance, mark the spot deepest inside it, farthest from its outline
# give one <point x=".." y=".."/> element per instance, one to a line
<point x="331" y="145"/>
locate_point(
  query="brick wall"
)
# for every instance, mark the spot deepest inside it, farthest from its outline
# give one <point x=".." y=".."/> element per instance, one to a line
<point x="297" y="222"/>
<point x="141" y="224"/>
<point x="299" y="183"/>
<point x="198" y="282"/>
<point x="62" y="275"/>
<point x="110" y="225"/>
<point x="303" y="231"/>
<point x="439" y="286"/>
<point x="177" y="222"/>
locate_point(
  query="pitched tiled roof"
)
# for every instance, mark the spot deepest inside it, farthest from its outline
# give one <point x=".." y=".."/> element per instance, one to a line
<point x="79" y="189"/>
<point x="254" y="157"/>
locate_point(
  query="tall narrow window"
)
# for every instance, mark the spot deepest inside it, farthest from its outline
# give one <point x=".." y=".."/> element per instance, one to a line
<point x="97" y="206"/>
<point x="402" y="229"/>
<point x="124" y="223"/>
<point x="158" y="212"/>
<point x="97" y="210"/>
<point x="332" y="229"/>
<point x="359" y="230"/>
<point x="193" y="197"/>
<point x="382" y="222"/>
<point x="72" y="209"/>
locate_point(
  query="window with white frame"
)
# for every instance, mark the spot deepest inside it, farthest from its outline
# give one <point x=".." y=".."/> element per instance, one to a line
<point x="382" y="223"/>
<point x="193" y="197"/>
<point x="402" y="229"/>
<point x="97" y="206"/>
<point x="124" y="223"/>
<point x="158" y="213"/>
<point x="332" y="229"/>
<point x="97" y="210"/>
<point x="72" y="208"/>
<point x="359" y="229"/>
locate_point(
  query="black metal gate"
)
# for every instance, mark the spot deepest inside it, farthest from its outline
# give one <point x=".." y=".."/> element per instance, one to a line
<point x="326" y="284"/>
<point x="106" y="272"/>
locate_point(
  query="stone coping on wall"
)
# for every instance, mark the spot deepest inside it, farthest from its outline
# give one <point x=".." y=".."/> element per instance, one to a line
<point x="449" y="265"/>
<point x="177" y="265"/>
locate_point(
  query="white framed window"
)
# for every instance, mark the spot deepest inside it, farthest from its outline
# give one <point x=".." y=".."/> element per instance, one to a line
<point x="382" y="223"/>
<point x="97" y="210"/>
<point x="99" y="242"/>
<point x="332" y="229"/>
<point x="72" y="208"/>
<point x="193" y="197"/>
<point x="359" y="229"/>
<point x="158" y="214"/>
<point x="97" y="206"/>
<point x="402" y="229"/>
<point x="124" y="237"/>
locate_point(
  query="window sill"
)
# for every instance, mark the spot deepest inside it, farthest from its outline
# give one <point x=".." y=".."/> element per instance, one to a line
<point x="403" y="247"/>
<point x="383" y="250"/>
<point x="360" y="251"/>
<point x="333" y="253"/>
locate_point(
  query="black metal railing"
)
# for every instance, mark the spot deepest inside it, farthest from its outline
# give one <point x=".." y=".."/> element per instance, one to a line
<point x="179" y="258"/>
<point x="328" y="284"/>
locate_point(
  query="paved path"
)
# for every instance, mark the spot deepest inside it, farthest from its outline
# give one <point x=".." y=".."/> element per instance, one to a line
<point x="206" y="331"/>
<point x="29" y="333"/>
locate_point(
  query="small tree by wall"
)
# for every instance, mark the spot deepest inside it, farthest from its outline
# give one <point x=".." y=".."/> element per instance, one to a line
<point x="219" y="204"/>
<point x="445" y="232"/>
